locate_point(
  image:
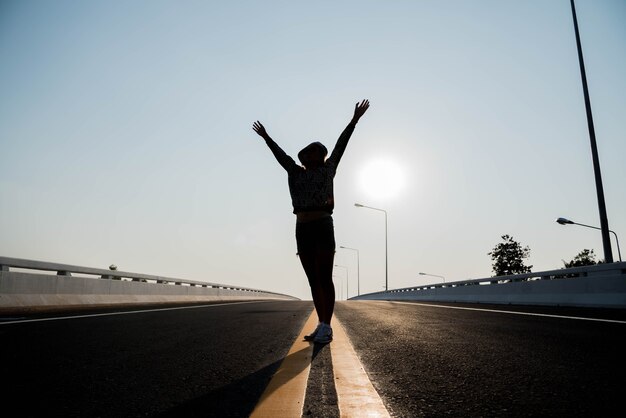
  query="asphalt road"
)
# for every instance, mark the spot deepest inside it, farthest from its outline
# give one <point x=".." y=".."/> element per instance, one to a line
<point x="204" y="361"/>
<point x="216" y="361"/>
<point x="433" y="361"/>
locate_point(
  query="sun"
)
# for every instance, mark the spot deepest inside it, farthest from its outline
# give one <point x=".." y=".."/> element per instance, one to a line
<point x="382" y="178"/>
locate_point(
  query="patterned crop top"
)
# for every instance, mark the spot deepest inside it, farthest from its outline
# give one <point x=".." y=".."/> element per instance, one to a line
<point x="312" y="190"/>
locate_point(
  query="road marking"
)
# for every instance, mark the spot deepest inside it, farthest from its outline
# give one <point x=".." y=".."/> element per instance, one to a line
<point x="284" y="395"/>
<point x="56" y="318"/>
<point x="355" y="393"/>
<point x="614" y="321"/>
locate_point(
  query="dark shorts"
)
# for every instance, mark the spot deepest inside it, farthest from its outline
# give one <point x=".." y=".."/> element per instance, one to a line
<point x="314" y="236"/>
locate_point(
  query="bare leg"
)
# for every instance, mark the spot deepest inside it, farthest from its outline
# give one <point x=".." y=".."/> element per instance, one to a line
<point x="309" y="264"/>
<point x="324" y="266"/>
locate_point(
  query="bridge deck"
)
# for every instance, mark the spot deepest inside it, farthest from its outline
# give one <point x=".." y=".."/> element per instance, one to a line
<point x="217" y="360"/>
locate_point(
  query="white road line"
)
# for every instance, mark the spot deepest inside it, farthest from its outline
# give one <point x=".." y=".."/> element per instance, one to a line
<point x="356" y="396"/>
<point x="285" y="394"/>
<point x="614" y="321"/>
<point x="57" y="318"/>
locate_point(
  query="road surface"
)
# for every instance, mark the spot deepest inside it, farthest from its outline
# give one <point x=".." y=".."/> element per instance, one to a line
<point x="218" y="360"/>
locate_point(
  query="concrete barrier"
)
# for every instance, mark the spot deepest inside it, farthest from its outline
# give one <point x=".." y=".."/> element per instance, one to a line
<point x="24" y="291"/>
<point x="602" y="286"/>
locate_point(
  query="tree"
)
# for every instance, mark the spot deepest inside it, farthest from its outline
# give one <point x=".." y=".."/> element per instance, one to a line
<point x="508" y="257"/>
<point x="584" y="258"/>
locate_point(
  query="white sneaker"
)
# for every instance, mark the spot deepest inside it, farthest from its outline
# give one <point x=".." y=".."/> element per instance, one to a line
<point x="312" y="335"/>
<point x="324" y="335"/>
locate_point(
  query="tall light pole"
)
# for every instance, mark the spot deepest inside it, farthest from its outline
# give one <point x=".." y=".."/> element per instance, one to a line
<point x="564" y="221"/>
<point x="434" y="275"/>
<point x="358" y="274"/>
<point x="604" y="222"/>
<point x="338" y="288"/>
<point x="344" y="267"/>
<point x="358" y="205"/>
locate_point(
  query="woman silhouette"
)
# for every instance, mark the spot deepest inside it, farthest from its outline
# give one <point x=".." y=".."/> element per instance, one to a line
<point x="311" y="189"/>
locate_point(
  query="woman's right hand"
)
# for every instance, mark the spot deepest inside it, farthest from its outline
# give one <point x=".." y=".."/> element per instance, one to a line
<point x="259" y="129"/>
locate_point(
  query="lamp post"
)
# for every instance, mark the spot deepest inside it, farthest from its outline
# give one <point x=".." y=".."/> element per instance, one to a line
<point x="338" y="289"/>
<point x="564" y="221"/>
<point x="604" y="222"/>
<point x="434" y="275"/>
<point x="358" y="274"/>
<point x="358" y="205"/>
<point x="347" y="294"/>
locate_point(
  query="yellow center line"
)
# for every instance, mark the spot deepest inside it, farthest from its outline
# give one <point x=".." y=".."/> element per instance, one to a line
<point x="355" y="393"/>
<point x="284" y="395"/>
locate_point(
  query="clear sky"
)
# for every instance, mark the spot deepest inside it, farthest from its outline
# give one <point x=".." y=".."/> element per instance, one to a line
<point x="125" y="133"/>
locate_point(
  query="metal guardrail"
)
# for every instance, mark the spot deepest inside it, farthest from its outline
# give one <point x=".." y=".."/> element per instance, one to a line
<point x="6" y="263"/>
<point x="595" y="270"/>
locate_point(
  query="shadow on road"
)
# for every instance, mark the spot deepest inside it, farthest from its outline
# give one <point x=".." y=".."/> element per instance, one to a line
<point x="236" y="399"/>
<point x="321" y="396"/>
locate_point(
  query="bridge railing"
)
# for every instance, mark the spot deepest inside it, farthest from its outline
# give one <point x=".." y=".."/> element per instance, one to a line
<point x="585" y="271"/>
<point x="598" y="285"/>
<point x="26" y="282"/>
<point x="6" y="263"/>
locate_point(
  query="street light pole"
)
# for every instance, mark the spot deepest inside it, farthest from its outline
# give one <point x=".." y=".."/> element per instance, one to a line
<point x="564" y="221"/>
<point x="434" y="275"/>
<point x="347" y="294"/>
<point x="604" y="222"/>
<point x="358" y="205"/>
<point x="358" y="268"/>
<point x="338" y="288"/>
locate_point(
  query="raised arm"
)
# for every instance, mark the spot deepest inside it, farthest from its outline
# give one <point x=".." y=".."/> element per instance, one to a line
<point x="342" y="142"/>
<point x="283" y="159"/>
